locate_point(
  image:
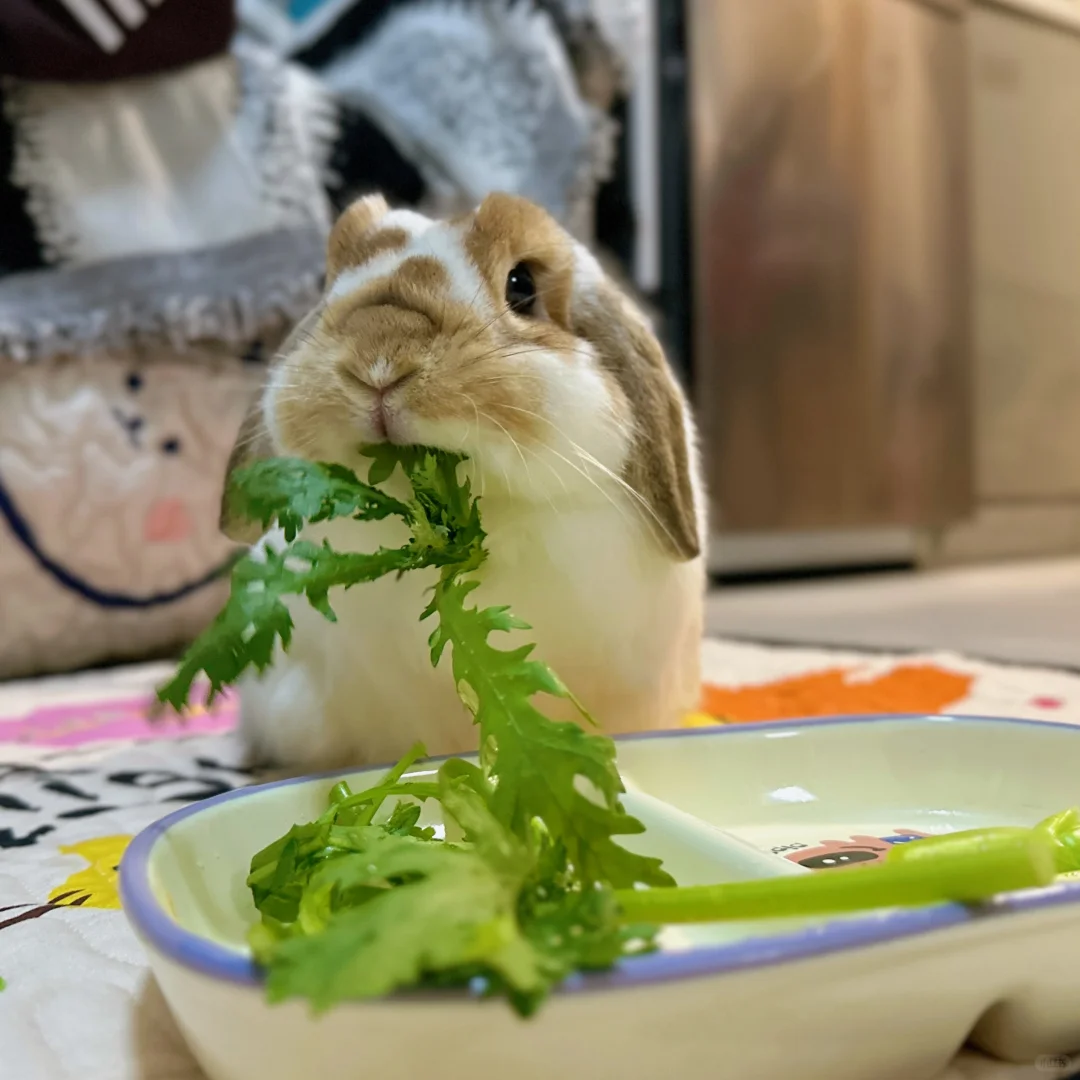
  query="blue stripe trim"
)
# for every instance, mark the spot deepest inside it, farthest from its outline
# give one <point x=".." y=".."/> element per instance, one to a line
<point x="72" y="582"/>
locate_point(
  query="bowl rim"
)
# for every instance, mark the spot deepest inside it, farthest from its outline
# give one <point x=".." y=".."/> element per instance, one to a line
<point x="160" y="932"/>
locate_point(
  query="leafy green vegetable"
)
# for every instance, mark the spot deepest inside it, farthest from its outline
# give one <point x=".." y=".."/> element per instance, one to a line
<point x="255" y="618"/>
<point x="290" y="492"/>
<point x="389" y="907"/>
<point x="353" y="909"/>
<point x="366" y="900"/>
<point x="446" y="531"/>
<point x="535" y="762"/>
<point x="357" y="910"/>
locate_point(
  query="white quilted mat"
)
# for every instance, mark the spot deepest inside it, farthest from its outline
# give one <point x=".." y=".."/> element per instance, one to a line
<point x="81" y="772"/>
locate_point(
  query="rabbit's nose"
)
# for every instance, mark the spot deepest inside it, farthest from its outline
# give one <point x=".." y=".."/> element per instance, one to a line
<point x="386" y="388"/>
<point x="383" y="376"/>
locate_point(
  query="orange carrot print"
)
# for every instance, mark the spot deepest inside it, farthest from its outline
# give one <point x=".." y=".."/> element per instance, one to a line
<point x="911" y="688"/>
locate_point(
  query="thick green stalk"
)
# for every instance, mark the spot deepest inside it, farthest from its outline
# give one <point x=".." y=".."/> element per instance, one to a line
<point x="1064" y="830"/>
<point x="967" y="867"/>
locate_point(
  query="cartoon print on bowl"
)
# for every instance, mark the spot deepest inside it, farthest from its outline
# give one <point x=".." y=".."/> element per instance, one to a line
<point x="110" y="480"/>
<point x="835" y="854"/>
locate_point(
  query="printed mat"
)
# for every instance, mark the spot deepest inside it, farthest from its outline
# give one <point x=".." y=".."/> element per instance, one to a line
<point x="82" y="770"/>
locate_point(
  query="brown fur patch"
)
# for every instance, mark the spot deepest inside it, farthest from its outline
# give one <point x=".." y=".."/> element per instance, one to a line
<point x="507" y="230"/>
<point x="659" y="465"/>
<point x="253" y="441"/>
<point x="354" y="239"/>
<point x="423" y="272"/>
<point x="419" y="284"/>
<point x="366" y="248"/>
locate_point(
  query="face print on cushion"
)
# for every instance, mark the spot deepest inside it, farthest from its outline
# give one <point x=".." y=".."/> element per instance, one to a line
<point x="111" y="470"/>
<point x="835" y="854"/>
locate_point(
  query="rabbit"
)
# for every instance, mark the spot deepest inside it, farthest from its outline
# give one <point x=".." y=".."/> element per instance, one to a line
<point x="497" y="335"/>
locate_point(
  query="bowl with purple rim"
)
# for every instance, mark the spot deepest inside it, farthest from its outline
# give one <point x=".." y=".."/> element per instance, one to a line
<point x="876" y="994"/>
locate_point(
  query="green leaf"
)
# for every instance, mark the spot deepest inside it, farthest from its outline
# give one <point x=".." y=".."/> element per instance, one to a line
<point x="357" y="912"/>
<point x="353" y="909"/>
<point x="292" y="491"/>
<point x="580" y="929"/>
<point x="383" y="918"/>
<point x="403" y="819"/>
<point x="446" y="529"/>
<point x="537" y="765"/>
<point x="255" y="618"/>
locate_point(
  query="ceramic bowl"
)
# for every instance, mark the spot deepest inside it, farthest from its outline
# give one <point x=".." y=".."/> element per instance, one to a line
<point x="889" y="995"/>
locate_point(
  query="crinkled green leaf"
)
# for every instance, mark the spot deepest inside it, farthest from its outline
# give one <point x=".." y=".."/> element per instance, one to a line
<point x="443" y="517"/>
<point x="354" y="909"/>
<point x="379" y="910"/>
<point x="451" y="910"/>
<point x="255" y="618"/>
<point x="536" y="762"/>
<point x="291" y="491"/>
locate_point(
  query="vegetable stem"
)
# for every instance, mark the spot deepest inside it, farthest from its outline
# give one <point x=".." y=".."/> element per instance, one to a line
<point x="414" y="754"/>
<point x="1064" y="830"/>
<point x="376" y="795"/>
<point x="966" y="867"/>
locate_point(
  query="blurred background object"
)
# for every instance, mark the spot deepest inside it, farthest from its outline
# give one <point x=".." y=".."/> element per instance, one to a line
<point x="1024" y="93"/>
<point x="830" y="350"/>
<point x="165" y="192"/>
<point x="878" y="220"/>
<point x="858" y="222"/>
<point x="92" y="40"/>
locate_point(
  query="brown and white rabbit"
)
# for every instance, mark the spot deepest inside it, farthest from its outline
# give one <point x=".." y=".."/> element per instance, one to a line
<point x="498" y="335"/>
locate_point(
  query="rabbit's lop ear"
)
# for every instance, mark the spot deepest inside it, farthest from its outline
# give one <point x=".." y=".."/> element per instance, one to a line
<point x="254" y="441"/>
<point x="662" y="463"/>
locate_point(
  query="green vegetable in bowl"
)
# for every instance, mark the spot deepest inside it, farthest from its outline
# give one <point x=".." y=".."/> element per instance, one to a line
<point x="353" y="909"/>
<point x="535" y="884"/>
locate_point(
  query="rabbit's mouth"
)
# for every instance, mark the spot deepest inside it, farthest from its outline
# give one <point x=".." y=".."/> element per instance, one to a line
<point x="131" y="426"/>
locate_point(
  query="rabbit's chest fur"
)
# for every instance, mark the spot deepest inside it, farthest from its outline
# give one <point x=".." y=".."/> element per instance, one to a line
<point x="617" y="619"/>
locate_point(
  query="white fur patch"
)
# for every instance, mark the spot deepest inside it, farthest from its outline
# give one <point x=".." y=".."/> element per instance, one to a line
<point x="269" y="398"/>
<point x="697" y="478"/>
<point x="408" y="221"/>
<point x="380" y="374"/>
<point x="466" y="284"/>
<point x="426" y="240"/>
<point x="588" y="273"/>
<point x="358" y="277"/>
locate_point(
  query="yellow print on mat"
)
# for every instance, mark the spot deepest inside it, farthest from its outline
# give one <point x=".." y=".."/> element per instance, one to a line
<point x="95" y="885"/>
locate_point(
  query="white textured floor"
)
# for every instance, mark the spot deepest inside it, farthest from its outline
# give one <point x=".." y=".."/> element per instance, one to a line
<point x="1024" y="612"/>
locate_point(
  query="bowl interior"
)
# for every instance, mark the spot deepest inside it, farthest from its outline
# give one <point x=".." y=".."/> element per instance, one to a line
<point x="721" y="805"/>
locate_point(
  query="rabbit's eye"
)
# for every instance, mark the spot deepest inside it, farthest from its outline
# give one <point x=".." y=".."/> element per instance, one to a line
<point x="521" y="289"/>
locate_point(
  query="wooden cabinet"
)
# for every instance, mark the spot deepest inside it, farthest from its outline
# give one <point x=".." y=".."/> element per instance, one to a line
<point x="1024" y="100"/>
<point x="831" y="263"/>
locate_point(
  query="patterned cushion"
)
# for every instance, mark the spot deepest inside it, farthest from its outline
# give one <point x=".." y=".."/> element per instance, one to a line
<point x="110" y="479"/>
<point x="154" y="228"/>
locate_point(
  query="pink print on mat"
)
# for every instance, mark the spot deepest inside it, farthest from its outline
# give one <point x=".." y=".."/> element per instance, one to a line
<point x="79" y="723"/>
